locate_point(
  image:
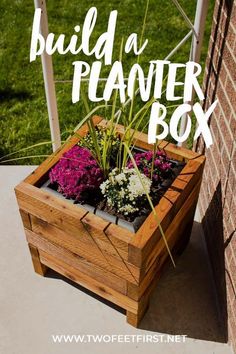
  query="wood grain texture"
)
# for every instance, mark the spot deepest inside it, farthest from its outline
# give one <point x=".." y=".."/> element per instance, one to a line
<point x="100" y="231"/>
<point x="158" y="256"/>
<point x="149" y="233"/>
<point x="134" y="318"/>
<point x="39" y="268"/>
<point x="88" y="250"/>
<point x="77" y="262"/>
<point x="174" y="231"/>
<point x="47" y="207"/>
<point x="74" y="219"/>
<point x="25" y="219"/>
<point x="89" y="283"/>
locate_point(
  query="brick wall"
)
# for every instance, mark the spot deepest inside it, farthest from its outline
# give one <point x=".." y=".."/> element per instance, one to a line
<point x="217" y="201"/>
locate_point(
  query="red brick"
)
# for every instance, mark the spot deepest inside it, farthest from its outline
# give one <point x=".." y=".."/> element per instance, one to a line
<point x="233" y="239"/>
<point x="231" y="91"/>
<point x="233" y="329"/>
<point x="220" y="75"/>
<point x="229" y="227"/>
<point x="232" y="272"/>
<point x="226" y="213"/>
<point x="233" y="158"/>
<point x="224" y="103"/>
<point x="233" y="16"/>
<point x="229" y="61"/>
<point x="232" y="124"/>
<point x="227" y="134"/>
<point x="232" y="177"/>
<point x="233" y="209"/>
<point x="223" y="74"/>
<point x="228" y="257"/>
<point x="230" y="38"/>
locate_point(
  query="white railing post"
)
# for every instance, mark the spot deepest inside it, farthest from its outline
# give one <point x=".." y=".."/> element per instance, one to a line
<point x="49" y="80"/>
<point x="199" y="25"/>
<point x="195" y="51"/>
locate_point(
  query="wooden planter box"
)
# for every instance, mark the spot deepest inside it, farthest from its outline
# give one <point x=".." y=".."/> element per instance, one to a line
<point x="115" y="263"/>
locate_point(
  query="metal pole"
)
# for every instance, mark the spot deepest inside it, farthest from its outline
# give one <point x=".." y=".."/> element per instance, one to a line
<point x="195" y="51"/>
<point x="49" y="80"/>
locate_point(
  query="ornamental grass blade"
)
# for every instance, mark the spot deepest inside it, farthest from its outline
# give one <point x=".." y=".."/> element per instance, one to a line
<point x="25" y="149"/>
<point x="150" y="203"/>
<point x="23" y="157"/>
<point x="88" y="116"/>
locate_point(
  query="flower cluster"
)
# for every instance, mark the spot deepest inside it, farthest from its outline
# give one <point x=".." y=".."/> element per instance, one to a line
<point x="159" y="167"/>
<point x="76" y="173"/>
<point x="124" y="191"/>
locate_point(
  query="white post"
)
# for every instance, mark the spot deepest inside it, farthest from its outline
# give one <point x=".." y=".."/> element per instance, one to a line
<point x="195" y="51"/>
<point x="49" y="80"/>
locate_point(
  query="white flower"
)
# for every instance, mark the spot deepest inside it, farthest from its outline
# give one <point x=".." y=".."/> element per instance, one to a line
<point x="126" y="209"/>
<point x="122" y="193"/>
<point x="103" y="186"/>
<point x="120" y="178"/>
<point x="122" y="190"/>
<point x="139" y="187"/>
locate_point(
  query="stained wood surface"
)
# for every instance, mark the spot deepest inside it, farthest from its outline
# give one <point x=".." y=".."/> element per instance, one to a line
<point x="72" y="218"/>
<point x="77" y="262"/>
<point x="39" y="268"/>
<point x="88" y="250"/>
<point x="107" y="259"/>
<point x="46" y="206"/>
<point x="149" y="232"/>
<point x="25" y="219"/>
<point x="89" y="283"/>
<point x="106" y="236"/>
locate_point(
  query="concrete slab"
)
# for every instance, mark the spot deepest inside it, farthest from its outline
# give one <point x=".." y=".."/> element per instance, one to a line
<point x="33" y="308"/>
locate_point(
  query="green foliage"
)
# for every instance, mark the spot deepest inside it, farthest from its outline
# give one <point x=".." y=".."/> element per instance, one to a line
<point x="23" y="112"/>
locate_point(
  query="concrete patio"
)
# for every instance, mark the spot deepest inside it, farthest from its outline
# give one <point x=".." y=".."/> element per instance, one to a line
<point x="33" y="308"/>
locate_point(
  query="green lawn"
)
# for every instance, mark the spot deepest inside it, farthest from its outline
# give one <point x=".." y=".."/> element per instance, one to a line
<point x="23" y="112"/>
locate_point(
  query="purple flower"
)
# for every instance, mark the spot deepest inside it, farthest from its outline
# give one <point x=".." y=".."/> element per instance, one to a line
<point x="161" y="164"/>
<point x="76" y="173"/>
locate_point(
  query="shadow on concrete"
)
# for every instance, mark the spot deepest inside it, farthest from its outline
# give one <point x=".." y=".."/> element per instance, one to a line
<point x="54" y="275"/>
<point x="214" y="235"/>
<point x="184" y="301"/>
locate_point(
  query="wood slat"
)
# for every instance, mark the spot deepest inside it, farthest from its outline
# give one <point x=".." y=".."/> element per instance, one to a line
<point x="175" y="230"/>
<point x="66" y="216"/>
<point x="90" y="251"/>
<point x="49" y="208"/>
<point x="77" y="262"/>
<point x="119" y="236"/>
<point x="89" y="283"/>
<point x="136" y="291"/>
<point x="39" y="268"/>
<point x="25" y="219"/>
<point x="149" y="233"/>
<point x="99" y="231"/>
<point x="153" y="266"/>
